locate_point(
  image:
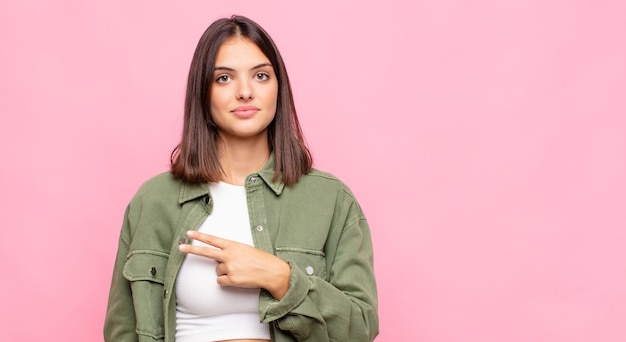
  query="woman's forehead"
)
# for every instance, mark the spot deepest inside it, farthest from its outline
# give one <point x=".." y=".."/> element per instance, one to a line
<point x="239" y="52"/>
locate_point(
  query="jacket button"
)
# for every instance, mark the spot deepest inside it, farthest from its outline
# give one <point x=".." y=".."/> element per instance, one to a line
<point x="309" y="270"/>
<point x="153" y="271"/>
<point x="253" y="179"/>
<point x="182" y="240"/>
<point x="164" y="294"/>
<point x="259" y="228"/>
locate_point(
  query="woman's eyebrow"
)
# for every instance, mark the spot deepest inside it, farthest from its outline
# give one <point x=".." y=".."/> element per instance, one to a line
<point x="253" y="68"/>
<point x="262" y="65"/>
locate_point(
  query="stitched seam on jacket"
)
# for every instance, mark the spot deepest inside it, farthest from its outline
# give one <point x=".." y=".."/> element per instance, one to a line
<point x="300" y="250"/>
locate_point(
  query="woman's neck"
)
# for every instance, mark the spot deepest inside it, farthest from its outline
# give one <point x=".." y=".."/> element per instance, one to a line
<point x="241" y="158"/>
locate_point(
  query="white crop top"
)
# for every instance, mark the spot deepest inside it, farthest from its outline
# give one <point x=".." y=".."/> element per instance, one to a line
<point x="206" y="311"/>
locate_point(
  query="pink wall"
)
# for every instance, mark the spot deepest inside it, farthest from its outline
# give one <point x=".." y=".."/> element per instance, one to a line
<point x="485" y="139"/>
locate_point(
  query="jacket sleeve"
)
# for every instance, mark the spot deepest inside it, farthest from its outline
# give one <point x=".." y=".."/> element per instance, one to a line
<point x="119" y="324"/>
<point x="344" y="308"/>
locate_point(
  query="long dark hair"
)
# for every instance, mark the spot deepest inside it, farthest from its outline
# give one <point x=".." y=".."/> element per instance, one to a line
<point x="195" y="159"/>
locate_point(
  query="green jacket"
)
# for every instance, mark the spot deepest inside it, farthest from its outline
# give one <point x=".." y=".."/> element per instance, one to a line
<point x="316" y="225"/>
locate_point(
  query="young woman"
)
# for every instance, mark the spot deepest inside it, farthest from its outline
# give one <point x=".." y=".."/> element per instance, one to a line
<point x="242" y="240"/>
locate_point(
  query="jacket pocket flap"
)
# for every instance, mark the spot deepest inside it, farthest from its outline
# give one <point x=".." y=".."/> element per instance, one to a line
<point x="146" y="265"/>
<point x="312" y="262"/>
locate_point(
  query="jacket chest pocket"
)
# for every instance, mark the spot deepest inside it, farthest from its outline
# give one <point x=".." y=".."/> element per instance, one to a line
<point x="146" y="272"/>
<point x="311" y="262"/>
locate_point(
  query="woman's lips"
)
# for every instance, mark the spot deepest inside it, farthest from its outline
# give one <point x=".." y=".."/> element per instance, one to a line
<point x="245" y="112"/>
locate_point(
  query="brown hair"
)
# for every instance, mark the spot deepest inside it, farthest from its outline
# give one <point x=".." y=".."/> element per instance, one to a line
<point x="195" y="159"/>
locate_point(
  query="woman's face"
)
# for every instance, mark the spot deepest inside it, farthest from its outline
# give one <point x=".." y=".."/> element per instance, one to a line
<point x="244" y="91"/>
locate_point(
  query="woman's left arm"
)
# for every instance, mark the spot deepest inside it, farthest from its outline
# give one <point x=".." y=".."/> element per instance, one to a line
<point x="344" y="308"/>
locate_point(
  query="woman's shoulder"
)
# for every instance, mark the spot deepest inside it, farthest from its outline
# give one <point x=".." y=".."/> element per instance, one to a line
<point x="167" y="188"/>
<point x="160" y="182"/>
<point x="161" y="185"/>
<point x="323" y="177"/>
<point x="323" y="180"/>
<point x="325" y="189"/>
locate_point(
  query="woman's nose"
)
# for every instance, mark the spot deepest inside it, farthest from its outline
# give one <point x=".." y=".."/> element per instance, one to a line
<point x="245" y="91"/>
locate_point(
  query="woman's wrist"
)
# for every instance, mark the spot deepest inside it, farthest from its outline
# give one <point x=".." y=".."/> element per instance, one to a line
<point x="278" y="283"/>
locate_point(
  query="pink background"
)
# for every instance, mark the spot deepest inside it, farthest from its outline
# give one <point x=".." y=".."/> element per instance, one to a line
<point x="486" y="142"/>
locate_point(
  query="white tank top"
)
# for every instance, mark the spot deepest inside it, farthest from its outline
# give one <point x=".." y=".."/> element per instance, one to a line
<point x="206" y="311"/>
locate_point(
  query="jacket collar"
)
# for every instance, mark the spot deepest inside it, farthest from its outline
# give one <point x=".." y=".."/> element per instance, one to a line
<point x="191" y="191"/>
<point x="267" y="174"/>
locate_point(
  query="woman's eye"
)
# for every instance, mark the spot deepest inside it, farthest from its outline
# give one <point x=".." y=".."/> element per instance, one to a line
<point x="261" y="76"/>
<point x="222" y="79"/>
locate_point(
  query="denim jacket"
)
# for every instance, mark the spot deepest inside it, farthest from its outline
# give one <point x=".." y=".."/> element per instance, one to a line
<point x="316" y="225"/>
